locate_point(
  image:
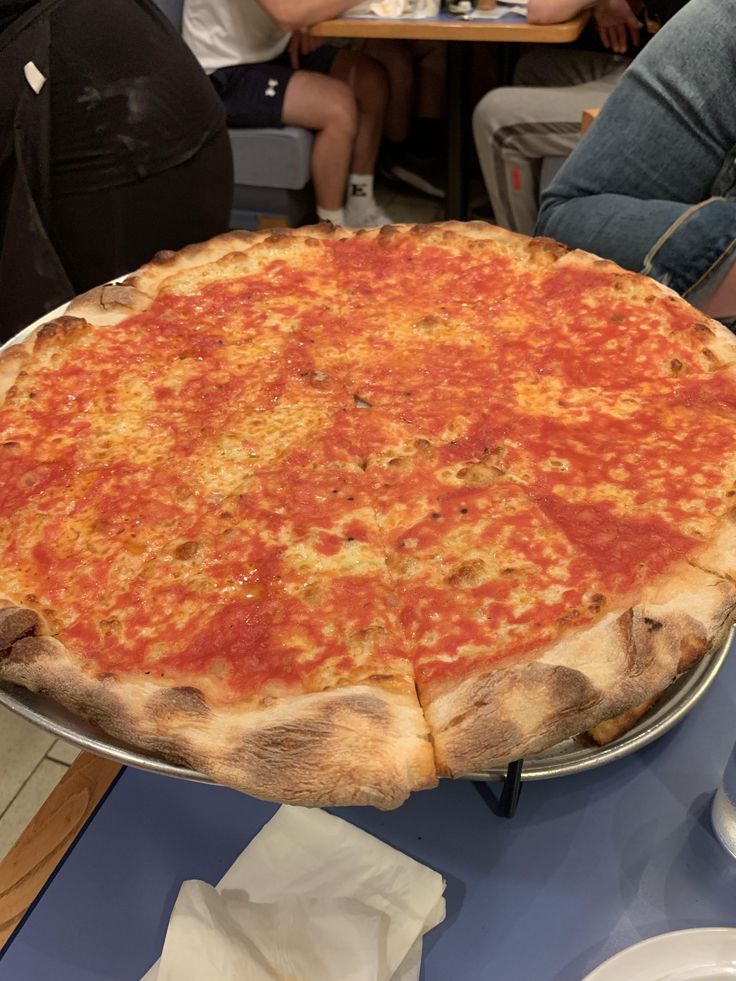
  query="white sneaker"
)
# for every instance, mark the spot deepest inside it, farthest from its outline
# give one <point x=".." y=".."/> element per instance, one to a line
<point x="366" y="217"/>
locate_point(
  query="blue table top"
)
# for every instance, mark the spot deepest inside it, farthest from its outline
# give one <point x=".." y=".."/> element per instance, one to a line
<point x="444" y="17"/>
<point x="590" y="864"/>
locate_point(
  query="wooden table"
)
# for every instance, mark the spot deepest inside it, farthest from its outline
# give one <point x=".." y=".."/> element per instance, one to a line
<point x="445" y="27"/>
<point x="33" y="859"/>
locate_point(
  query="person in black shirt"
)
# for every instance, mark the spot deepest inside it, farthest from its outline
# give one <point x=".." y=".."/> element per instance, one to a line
<point x="113" y="146"/>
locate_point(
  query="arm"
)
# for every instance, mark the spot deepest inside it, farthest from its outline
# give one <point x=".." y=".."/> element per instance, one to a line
<point x="616" y="24"/>
<point x="291" y="15"/>
<point x="555" y="11"/>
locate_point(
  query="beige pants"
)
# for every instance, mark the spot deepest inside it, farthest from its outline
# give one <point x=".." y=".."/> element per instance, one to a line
<point x="517" y="127"/>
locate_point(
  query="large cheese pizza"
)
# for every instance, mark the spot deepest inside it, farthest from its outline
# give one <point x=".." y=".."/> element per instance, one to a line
<point x="329" y="514"/>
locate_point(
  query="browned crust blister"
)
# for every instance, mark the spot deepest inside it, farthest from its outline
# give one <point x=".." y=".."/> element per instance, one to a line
<point x="360" y="744"/>
<point x="499" y="715"/>
<point x="12" y="361"/>
<point x="109" y="305"/>
<point x="365" y="744"/>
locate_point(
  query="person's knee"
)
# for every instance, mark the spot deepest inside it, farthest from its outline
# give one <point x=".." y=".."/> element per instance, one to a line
<point x="496" y="110"/>
<point x="371" y="82"/>
<point x="551" y="208"/>
<point x="394" y="55"/>
<point x="341" y="111"/>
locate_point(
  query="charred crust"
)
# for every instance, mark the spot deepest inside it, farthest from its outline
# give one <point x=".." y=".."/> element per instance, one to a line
<point x="370" y="706"/>
<point x="635" y="639"/>
<point x="32" y="648"/>
<point x="368" y="636"/>
<point x="429" y="324"/>
<point x="17" y="623"/>
<point x="274" y="741"/>
<point x="490" y="725"/>
<point x="692" y="647"/>
<point x="330" y="751"/>
<point x="652" y="624"/>
<point x="111" y="625"/>
<point x="570" y="617"/>
<point x="470" y="573"/>
<point x="597" y="601"/>
<point x="183" y="701"/>
<point x="187" y="550"/>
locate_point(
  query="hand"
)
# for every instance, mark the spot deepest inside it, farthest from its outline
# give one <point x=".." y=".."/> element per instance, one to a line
<point x="616" y="22"/>
<point x="301" y="43"/>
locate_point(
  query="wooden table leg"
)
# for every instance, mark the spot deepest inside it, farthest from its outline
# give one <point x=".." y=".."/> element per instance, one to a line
<point x="34" y="857"/>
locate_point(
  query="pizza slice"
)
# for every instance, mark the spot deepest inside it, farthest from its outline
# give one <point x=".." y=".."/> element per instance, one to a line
<point x="279" y="605"/>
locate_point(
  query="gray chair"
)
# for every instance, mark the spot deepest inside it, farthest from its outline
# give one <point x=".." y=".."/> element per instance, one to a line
<point x="271" y="167"/>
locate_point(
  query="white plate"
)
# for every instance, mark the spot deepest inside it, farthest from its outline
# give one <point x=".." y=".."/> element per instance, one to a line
<point x="685" y="955"/>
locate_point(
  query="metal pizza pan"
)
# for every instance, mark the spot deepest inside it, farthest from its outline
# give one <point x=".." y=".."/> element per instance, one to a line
<point x="566" y="758"/>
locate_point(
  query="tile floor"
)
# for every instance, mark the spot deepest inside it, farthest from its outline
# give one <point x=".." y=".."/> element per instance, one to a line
<point x="403" y="205"/>
<point x="31" y="761"/>
<point x="31" y="764"/>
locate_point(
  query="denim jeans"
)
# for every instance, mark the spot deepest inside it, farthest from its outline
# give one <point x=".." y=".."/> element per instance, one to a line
<point x="653" y="184"/>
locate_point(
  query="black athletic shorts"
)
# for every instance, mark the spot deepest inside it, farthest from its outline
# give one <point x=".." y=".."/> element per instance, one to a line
<point x="254" y="94"/>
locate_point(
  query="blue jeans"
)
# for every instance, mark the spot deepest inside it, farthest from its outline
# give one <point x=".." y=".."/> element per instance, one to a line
<point x="653" y="183"/>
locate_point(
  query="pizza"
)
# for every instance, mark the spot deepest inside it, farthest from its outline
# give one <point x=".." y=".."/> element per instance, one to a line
<point x="330" y="514"/>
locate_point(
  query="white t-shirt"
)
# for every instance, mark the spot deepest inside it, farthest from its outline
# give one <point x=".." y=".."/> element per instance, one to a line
<point x="231" y="32"/>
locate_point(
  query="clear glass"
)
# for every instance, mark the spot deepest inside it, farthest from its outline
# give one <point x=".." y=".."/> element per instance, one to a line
<point x="723" y="811"/>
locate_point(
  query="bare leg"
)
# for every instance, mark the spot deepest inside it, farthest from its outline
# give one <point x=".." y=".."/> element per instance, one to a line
<point x="395" y="57"/>
<point x="431" y="62"/>
<point x="326" y="105"/>
<point x="369" y="84"/>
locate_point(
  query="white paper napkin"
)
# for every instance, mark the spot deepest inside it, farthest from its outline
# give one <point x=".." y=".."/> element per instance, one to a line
<point x="413" y="9"/>
<point x="496" y="14"/>
<point x="311" y="898"/>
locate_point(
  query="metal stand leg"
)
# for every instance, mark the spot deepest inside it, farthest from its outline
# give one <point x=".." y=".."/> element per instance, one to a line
<point x="505" y="804"/>
<point x="511" y="789"/>
<point x="458" y="86"/>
